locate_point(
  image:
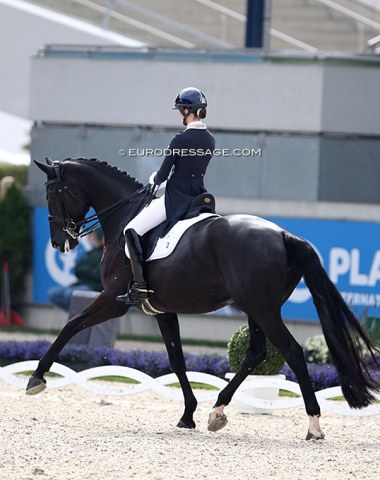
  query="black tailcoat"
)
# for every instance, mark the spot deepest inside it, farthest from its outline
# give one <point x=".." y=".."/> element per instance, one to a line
<point x="189" y="155"/>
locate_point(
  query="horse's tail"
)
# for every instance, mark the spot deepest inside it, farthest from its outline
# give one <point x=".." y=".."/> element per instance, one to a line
<point x="344" y="335"/>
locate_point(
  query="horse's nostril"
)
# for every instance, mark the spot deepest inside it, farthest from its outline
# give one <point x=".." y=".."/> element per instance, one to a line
<point x="54" y="245"/>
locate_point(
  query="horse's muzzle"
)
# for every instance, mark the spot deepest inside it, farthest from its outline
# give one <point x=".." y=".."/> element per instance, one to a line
<point x="55" y="245"/>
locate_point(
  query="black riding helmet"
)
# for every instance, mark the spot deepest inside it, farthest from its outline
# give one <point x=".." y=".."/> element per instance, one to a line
<point x="190" y="98"/>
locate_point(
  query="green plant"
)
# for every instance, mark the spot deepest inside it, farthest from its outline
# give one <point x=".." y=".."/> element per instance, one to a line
<point x="14" y="240"/>
<point x="237" y="347"/>
<point x="19" y="172"/>
<point x="373" y="327"/>
<point x="316" y="350"/>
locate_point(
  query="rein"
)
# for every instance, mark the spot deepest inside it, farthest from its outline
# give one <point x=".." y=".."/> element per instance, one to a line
<point x="70" y="225"/>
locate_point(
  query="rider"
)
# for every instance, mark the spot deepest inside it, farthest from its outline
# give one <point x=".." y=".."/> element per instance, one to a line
<point x="189" y="153"/>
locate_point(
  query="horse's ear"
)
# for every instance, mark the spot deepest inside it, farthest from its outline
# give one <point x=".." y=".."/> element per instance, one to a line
<point x="48" y="169"/>
<point x="48" y="161"/>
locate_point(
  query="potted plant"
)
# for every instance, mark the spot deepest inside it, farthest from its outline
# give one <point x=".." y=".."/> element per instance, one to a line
<point x="237" y="347"/>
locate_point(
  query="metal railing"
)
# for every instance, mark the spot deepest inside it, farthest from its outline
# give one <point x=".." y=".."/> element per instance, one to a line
<point x="242" y="18"/>
<point x="108" y="11"/>
<point x="172" y="23"/>
<point x="374" y="44"/>
<point x="350" y="13"/>
<point x="360" y="20"/>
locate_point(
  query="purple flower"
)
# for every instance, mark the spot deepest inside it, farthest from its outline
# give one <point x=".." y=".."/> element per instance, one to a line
<point x="79" y="358"/>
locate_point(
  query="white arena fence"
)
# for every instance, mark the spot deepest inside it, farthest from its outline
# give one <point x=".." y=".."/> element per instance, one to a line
<point x="85" y="379"/>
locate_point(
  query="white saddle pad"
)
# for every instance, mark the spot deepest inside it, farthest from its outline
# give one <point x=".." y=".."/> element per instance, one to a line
<point x="167" y="244"/>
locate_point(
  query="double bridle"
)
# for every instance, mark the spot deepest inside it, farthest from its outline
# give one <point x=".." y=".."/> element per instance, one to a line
<point x="69" y="225"/>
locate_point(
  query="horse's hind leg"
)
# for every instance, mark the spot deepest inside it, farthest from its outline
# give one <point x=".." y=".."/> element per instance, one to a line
<point x="256" y="353"/>
<point x="168" y="323"/>
<point x="102" y="309"/>
<point x="282" y="339"/>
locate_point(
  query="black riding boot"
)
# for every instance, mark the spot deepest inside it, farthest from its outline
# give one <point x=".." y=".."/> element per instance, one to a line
<point x="138" y="289"/>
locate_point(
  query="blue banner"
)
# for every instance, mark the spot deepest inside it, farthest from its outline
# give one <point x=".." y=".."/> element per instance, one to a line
<point x="50" y="267"/>
<point x="350" y="253"/>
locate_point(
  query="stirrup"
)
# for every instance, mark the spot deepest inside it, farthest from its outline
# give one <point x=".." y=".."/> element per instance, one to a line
<point x="136" y="294"/>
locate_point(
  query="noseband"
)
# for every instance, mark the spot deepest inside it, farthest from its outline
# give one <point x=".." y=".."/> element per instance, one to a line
<point x="69" y="224"/>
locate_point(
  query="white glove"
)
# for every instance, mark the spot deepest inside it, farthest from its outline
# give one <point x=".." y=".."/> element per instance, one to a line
<point x="152" y="179"/>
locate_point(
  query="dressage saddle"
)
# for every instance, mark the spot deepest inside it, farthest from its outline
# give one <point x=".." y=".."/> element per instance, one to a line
<point x="203" y="203"/>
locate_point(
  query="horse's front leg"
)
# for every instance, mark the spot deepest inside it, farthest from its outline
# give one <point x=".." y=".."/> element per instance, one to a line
<point x="169" y="326"/>
<point x="100" y="310"/>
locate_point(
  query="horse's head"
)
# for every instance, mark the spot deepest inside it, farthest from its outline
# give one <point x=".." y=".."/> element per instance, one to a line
<point x="66" y="203"/>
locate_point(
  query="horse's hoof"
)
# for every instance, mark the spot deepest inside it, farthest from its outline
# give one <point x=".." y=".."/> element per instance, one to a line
<point x="35" y="385"/>
<point x="315" y="436"/>
<point x="216" y="421"/>
<point x="182" y="424"/>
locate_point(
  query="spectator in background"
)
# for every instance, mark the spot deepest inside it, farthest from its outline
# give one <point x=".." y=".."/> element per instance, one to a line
<point x="87" y="271"/>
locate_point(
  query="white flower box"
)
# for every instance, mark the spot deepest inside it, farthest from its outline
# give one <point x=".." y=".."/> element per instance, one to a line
<point x="267" y="393"/>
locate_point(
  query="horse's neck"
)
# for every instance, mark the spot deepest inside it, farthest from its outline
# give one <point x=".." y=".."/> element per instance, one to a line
<point x="113" y="220"/>
<point x="107" y="191"/>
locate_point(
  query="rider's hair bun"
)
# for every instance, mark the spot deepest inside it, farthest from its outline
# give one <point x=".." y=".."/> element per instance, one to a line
<point x="201" y="113"/>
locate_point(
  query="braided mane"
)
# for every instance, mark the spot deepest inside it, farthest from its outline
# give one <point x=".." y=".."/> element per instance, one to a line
<point x="110" y="168"/>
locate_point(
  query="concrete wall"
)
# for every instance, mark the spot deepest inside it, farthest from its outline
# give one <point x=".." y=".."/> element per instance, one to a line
<point x="291" y="167"/>
<point x="196" y="327"/>
<point x="316" y="121"/>
<point x="288" y="167"/>
<point x="253" y="94"/>
<point x="350" y="169"/>
<point x="351" y="100"/>
<point x="241" y="96"/>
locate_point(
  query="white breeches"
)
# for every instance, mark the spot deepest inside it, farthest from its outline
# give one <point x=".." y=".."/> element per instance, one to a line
<point x="149" y="217"/>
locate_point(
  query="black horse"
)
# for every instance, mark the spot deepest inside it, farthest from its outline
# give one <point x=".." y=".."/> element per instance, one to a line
<point x="238" y="258"/>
